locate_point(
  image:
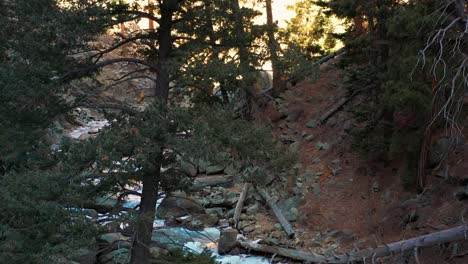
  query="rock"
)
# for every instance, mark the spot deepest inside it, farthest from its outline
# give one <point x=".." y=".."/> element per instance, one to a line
<point x="322" y="146"/>
<point x="110" y="238"/>
<point x="375" y="186"/>
<point x="208" y="220"/>
<point x="316" y="161"/>
<point x="227" y="241"/>
<point x="219" y="211"/>
<point x="157" y="252"/>
<point x="243" y="217"/>
<point x="462" y="194"/>
<point x="214" y="169"/>
<point x="202" y="165"/>
<point x="176" y="206"/>
<point x="294" y="113"/>
<point x="252" y="209"/>
<point x="348" y="125"/>
<point x="439" y="150"/>
<point x="331" y="121"/>
<point x="293" y="214"/>
<point x="248" y="229"/>
<point x="287" y="139"/>
<point x="309" y="138"/>
<point x="85" y="256"/>
<point x="188" y="168"/>
<point x="196" y="223"/>
<point x="311" y="123"/>
<point x="294" y="147"/>
<point x="231" y="170"/>
<point x="411" y="217"/>
<point x="119" y="256"/>
<point x="276" y="234"/>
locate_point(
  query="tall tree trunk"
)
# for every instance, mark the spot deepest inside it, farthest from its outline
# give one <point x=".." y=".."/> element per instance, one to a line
<point x="246" y="70"/>
<point x="150" y="11"/>
<point x="273" y="47"/>
<point x="144" y="226"/>
<point x="165" y="43"/>
<point x="215" y="54"/>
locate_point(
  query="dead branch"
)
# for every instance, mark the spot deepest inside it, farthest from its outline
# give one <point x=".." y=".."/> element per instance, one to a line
<point x="240" y="202"/>
<point x="279" y="215"/>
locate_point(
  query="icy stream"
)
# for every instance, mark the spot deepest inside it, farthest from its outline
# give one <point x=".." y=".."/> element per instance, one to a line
<point x="199" y="240"/>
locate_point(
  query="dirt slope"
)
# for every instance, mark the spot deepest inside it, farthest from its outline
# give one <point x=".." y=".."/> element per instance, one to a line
<point x="362" y="200"/>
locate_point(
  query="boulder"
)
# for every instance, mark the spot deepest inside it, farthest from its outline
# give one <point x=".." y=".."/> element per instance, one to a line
<point x="311" y="123"/>
<point x="214" y="169"/>
<point x="84" y="256"/>
<point x="119" y="256"/>
<point x="188" y="168"/>
<point x="180" y="205"/>
<point x="227" y="241"/>
<point x="110" y="238"/>
<point x="438" y="151"/>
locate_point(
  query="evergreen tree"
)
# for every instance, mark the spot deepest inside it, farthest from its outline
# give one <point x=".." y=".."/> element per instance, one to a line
<point x="383" y="62"/>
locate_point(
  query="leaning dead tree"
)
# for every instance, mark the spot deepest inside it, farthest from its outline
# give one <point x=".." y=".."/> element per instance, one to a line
<point x="449" y="72"/>
<point x="369" y="255"/>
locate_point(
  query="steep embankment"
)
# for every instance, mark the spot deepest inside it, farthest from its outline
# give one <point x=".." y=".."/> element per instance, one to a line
<point x="354" y="202"/>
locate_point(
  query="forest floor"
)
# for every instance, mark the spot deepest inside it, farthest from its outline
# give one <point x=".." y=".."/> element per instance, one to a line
<point x="361" y="197"/>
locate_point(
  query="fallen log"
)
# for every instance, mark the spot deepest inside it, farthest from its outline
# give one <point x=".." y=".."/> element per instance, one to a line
<point x="284" y="252"/>
<point x="213" y="180"/>
<point x="371" y="254"/>
<point x="279" y="215"/>
<point x="240" y="203"/>
<point x="333" y="109"/>
<point x="432" y="239"/>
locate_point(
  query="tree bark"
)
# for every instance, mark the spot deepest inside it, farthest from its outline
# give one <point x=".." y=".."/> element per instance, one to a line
<point x="273" y="46"/>
<point x="144" y="225"/>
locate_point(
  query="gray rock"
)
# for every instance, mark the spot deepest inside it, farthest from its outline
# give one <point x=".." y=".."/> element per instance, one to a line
<point x="110" y="238"/>
<point x="252" y="209"/>
<point x="310" y="138"/>
<point x="119" y="256"/>
<point x="311" y="123"/>
<point x="84" y="256"/>
<point x="157" y="252"/>
<point x="188" y="168"/>
<point x="202" y="166"/>
<point x="176" y="206"/>
<point x="322" y="146"/>
<point x="439" y="150"/>
<point x="294" y="147"/>
<point x="214" y="169"/>
<point x="249" y="229"/>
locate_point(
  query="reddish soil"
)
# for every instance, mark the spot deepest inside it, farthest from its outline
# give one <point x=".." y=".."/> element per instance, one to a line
<point x="365" y="197"/>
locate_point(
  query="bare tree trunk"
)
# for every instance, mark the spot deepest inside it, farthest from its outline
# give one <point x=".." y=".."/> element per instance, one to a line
<point x="449" y="235"/>
<point x="372" y="254"/>
<point x="273" y="46"/>
<point x="215" y="55"/>
<point x="240" y="202"/>
<point x="284" y="252"/>
<point x="246" y="70"/>
<point x="279" y="215"/>
<point x="144" y="226"/>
